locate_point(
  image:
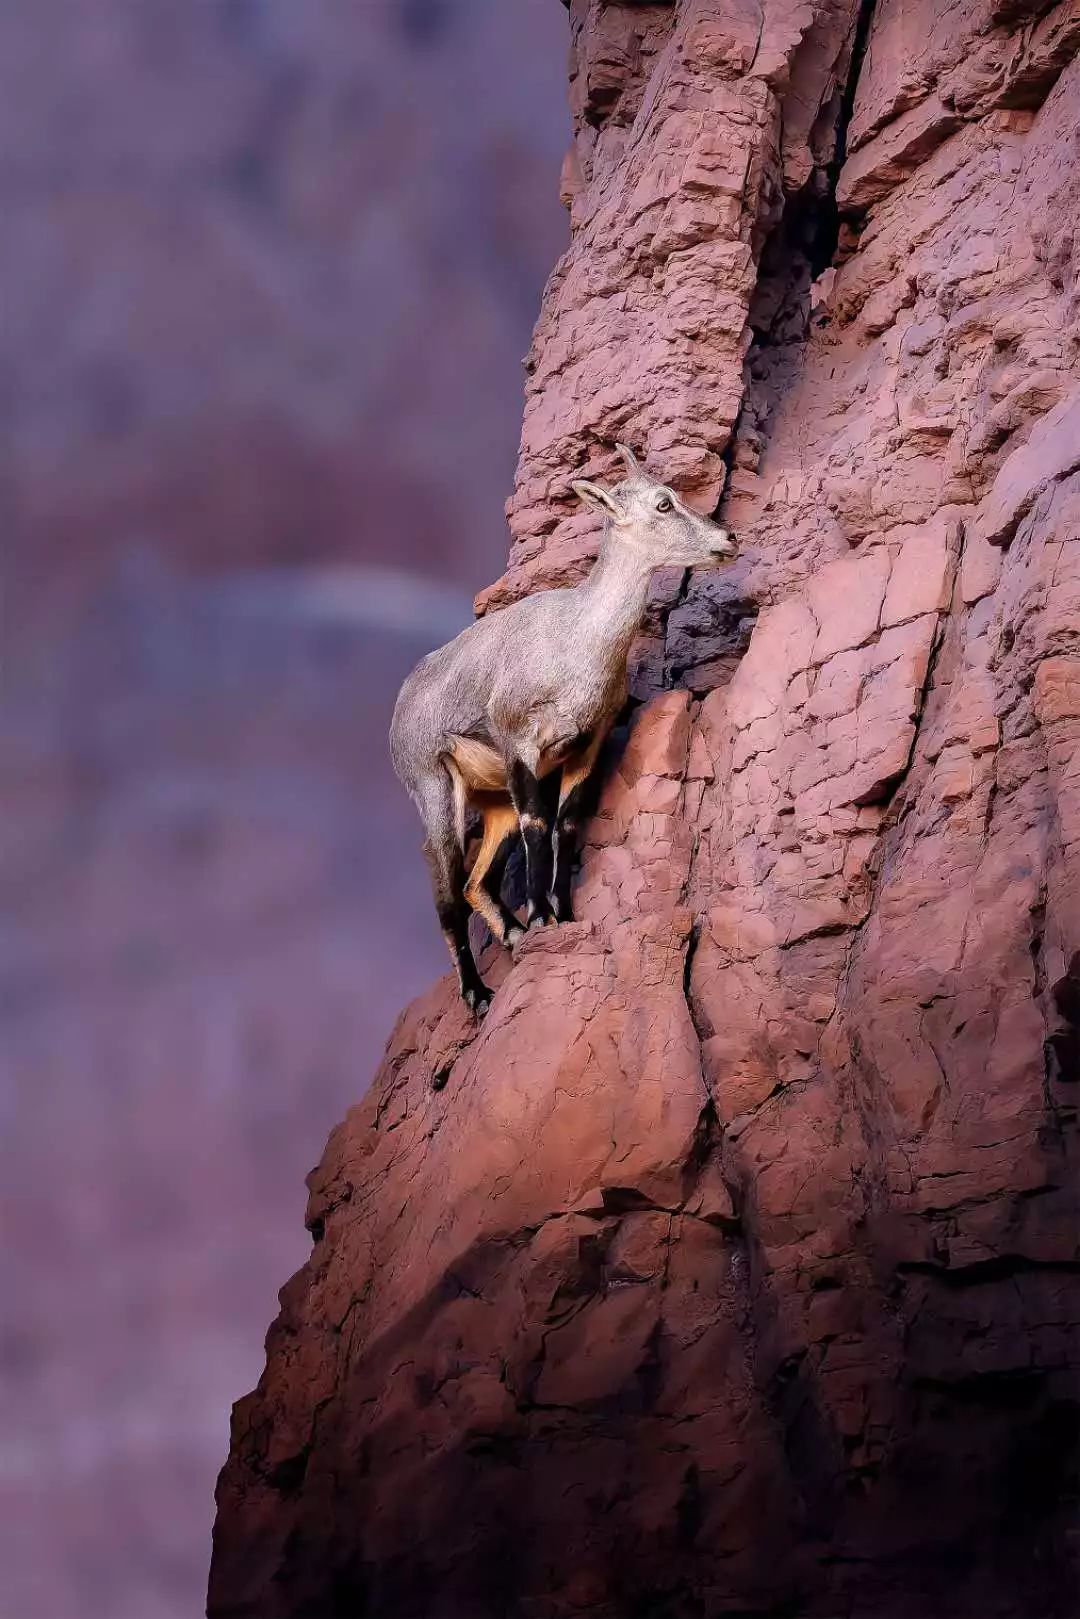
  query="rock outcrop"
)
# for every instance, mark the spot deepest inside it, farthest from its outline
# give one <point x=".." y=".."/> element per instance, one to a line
<point x="731" y="1266"/>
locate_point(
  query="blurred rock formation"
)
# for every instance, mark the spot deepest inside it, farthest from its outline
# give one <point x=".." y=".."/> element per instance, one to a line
<point x="268" y="273"/>
<point x="731" y="1265"/>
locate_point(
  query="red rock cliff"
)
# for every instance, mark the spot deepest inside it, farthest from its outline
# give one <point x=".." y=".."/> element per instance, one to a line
<point x="731" y="1267"/>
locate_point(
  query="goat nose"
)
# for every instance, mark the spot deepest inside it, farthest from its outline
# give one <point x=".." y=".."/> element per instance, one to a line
<point x="725" y="544"/>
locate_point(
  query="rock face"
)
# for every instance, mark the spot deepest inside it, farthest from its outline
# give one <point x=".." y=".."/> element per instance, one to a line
<point x="731" y="1266"/>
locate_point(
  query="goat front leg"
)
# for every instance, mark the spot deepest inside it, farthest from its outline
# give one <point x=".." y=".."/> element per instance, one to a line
<point x="535" y="824"/>
<point x="572" y="790"/>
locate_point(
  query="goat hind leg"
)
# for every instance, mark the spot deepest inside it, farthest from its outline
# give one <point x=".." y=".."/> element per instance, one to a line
<point x="484" y="887"/>
<point x="446" y="863"/>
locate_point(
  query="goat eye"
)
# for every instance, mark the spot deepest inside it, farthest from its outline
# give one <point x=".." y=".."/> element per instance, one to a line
<point x="664" y="503"/>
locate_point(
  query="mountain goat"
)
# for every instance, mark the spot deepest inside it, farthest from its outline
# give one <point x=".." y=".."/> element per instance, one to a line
<point x="524" y="693"/>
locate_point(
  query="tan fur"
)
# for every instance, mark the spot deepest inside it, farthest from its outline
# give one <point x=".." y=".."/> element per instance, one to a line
<point x="472" y="766"/>
<point x="500" y="819"/>
<point x="481" y="767"/>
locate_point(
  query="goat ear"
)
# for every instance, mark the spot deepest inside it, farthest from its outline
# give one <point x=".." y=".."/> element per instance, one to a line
<point x="593" y="495"/>
<point x="629" y="458"/>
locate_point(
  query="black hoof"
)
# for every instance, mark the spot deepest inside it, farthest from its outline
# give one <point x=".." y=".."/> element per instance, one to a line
<point x="477" y="999"/>
<point x="560" y="909"/>
<point x="538" y="916"/>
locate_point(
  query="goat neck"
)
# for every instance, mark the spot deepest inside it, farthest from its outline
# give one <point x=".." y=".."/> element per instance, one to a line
<point x="616" y="593"/>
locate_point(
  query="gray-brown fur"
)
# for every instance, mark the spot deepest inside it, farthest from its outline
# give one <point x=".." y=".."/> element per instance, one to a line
<point x="526" y="692"/>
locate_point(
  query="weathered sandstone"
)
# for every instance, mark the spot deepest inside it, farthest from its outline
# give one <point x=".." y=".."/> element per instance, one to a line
<point x="732" y="1266"/>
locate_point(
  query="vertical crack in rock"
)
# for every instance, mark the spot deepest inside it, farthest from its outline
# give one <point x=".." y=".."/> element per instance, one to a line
<point x="1064" y="1041"/>
<point x="859" y="46"/>
<point x="799" y="246"/>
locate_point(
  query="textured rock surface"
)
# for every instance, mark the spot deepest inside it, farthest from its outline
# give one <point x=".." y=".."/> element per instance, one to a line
<point x="732" y="1266"/>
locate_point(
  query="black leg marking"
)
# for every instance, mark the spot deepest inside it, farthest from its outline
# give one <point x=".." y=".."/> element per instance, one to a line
<point x="567" y="824"/>
<point x="483" y="887"/>
<point x="575" y="801"/>
<point x="512" y="929"/>
<point x="535" y="823"/>
<point x="446" y="864"/>
<point x="454" y="921"/>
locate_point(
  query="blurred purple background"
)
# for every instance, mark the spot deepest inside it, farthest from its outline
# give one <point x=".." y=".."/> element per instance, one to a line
<point x="267" y="272"/>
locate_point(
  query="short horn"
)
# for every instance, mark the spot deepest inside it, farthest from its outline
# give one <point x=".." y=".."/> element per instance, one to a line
<point x="629" y="457"/>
